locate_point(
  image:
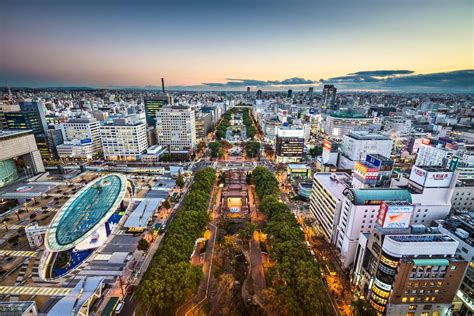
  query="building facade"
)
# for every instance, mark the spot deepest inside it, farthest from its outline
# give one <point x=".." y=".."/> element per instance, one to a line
<point x="123" y="140"/>
<point x="176" y="128"/>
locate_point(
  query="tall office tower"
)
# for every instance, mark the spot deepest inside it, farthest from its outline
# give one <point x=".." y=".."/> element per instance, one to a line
<point x="329" y="97"/>
<point x="309" y="94"/>
<point x="248" y="90"/>
<point x="153" y="105"/>
<point x="259" y="94"/>
<point x="31" y="116"/>
<point x="55" y="139"/>
<point x="289" y="144"/>
<point x="290" y="94"/>
<point x="176" y="128"/>
<point x="123" y="139"/>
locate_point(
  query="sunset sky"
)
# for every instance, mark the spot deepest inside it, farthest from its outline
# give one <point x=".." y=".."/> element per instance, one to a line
<point x="205" y="43"/>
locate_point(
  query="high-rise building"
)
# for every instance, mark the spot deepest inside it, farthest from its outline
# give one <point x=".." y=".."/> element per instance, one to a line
<point x="176" y="128"/>
<point x="259" y="95"/>
<point x="290" y="94"/>
<point x="123" y="139"/>
<point x="329" y="97"/>
<point x="289" y="144"/>
<point x="248" y="90"/>
<point x="31" y="116"/>
<point x="309" y="94"/>
<point x="153" y="105"/>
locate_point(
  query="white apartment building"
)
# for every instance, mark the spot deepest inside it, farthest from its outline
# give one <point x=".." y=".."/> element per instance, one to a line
<point x="176" y="128"/>
<point x="358" y="144"/>
<point x="326" y="200"/>
<point x="123" y="139"/>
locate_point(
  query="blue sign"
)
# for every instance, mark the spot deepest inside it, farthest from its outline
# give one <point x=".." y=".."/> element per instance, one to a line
<point x="86" y="141"/>
<point x="373" y="161"/>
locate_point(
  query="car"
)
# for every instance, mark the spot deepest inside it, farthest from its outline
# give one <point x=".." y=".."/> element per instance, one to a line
<point x="119" y="308"/>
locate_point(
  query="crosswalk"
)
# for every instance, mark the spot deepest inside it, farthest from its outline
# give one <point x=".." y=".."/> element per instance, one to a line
<point x="17" y="253"/>
<point x="33" y="290"/>
<point x="12" y="226"/>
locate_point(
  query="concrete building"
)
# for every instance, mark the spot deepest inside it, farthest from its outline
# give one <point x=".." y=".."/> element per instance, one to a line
<point x="176" y="128"/>
<point x="123" y="139"/>
<point x="409" y="272"/>
<point x="289" y="144"/>
<point x="81" y="139"/>
<point x="339" y="124"/>
<point x="203" y="125"/>
<point x="357" y="145"/>
<point x="19" y="155"/>
<point x="359" y="211"/>
<point x="326" y="200"/>
<point x="431" y="156"/>
<point x="461" y="228"/>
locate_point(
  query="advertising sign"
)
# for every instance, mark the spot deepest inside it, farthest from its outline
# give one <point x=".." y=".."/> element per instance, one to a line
<point x="373" y="161"/>
<point x="418" y="175"/>
<point x="327" y="144"/>
<point x="438" y="179"/>
<point x="365" y="172"/>
<point x="395" y="216"/>
<point x="86" y="141"/>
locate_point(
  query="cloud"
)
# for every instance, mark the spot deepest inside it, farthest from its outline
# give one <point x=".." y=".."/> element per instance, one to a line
<point x="405" y="80"/>
<point x="233" y="83"/>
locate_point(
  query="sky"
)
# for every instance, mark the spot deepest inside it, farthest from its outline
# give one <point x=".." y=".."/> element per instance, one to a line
<point x="217" y="44"/>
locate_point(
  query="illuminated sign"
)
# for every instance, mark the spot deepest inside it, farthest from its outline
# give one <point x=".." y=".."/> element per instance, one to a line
<point x="425" y="141"/>
<point x="327" y="144"/>
<point x="394" y="216"/>
<point x="382" y="285"/>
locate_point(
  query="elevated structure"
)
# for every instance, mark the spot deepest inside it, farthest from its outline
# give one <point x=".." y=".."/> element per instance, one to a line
<point x="85" y="212"/>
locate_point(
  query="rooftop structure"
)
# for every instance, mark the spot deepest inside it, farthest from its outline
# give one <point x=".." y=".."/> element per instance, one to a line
<point x="85" y="212"/>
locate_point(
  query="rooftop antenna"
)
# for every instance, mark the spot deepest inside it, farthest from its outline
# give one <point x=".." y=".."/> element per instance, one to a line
<point x="163" y="85"/>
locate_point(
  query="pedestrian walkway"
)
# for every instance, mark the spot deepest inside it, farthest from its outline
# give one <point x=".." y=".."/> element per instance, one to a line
<point x="33" y="290"/>
<point x="17" y="253"/>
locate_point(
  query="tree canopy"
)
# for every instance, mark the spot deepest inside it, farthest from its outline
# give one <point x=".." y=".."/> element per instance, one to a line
<point x="252" y="149"/>
<point x="296" y="275"/>
<point x="171" y="278"/>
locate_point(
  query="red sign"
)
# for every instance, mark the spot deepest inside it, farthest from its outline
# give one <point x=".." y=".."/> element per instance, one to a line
<point x="327" y="144"/>
<point x="425" y="141"/>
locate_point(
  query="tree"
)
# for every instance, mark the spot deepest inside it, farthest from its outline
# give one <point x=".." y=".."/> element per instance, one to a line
<point x="361" y="307"/>
<point x="252" y="149"/>
<point x="316" y="151"/>
<point x="180" y="181"/>
<point x="143" y="244"/>
<point x="166" y="204"/>
<point x="215" y="148"/>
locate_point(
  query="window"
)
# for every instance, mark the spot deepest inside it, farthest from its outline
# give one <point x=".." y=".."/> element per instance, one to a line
<point x="412" y="307"/>
<point x="453" y="268"/>
<point x="404" y="299"/>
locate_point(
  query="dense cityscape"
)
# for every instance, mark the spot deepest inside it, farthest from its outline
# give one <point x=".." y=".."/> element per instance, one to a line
<point x="140" y="176"/>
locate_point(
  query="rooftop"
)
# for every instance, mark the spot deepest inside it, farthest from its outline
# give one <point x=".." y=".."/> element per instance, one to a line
<point x="349" y="115"/>
<point x="335" y="183"/>
<point x="86" y="211"/>
<point x="421" y="238"/>
<point x="367" y="136"/>
<point x="13" y="133"/>
<point x="380" y="194"/>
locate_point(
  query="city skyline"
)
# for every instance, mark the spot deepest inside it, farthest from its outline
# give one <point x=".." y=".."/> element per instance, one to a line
<point x="424" y="46"/>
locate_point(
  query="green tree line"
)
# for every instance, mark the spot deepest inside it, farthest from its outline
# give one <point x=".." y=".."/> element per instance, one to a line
<point x="296" y="277"/>
<point x="171" y="278"/>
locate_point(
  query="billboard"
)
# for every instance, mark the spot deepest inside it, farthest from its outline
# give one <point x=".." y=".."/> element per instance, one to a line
<point x="394" y="216"/>
<point x="431" y="179"/>
<point x="372" y="160"/>
<point x="86" y="141"/>
<point x="327" y="144"/>
<point x="365" y="172"/>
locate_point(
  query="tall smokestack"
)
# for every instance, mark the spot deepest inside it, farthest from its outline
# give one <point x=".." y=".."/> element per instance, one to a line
<point x="163" y="85"/>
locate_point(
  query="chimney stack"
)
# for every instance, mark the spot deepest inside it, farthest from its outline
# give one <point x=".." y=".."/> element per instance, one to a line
<point x="163" y="85"/>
